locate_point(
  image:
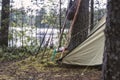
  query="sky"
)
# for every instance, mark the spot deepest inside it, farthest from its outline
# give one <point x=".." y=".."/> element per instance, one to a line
<point x="26" y="3"/>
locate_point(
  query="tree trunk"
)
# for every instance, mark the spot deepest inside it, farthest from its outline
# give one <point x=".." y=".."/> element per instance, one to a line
<point x="4" y="22"/>
<point x="92" y="15"/>
<point x="111" y="62"/>
<point x="79" y="27"/>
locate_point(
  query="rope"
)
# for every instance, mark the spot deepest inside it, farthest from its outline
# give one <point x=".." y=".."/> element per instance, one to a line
<point x="87" y="29"/>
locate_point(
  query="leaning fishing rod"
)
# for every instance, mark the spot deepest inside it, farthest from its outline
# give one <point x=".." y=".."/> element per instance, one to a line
<point x="63" y="28"/>
<point x="42" y="42"/>
<point x="65" y="21"/>
<point x="73" y="22"/>
<point x="48" y="41"/>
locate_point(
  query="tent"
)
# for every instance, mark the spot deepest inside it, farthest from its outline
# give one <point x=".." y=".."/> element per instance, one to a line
<point x="90" y="52"/>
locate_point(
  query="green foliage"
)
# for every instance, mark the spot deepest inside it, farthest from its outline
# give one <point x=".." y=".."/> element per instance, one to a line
<point x="13" y="53"/>
<point x="24" y="54"/>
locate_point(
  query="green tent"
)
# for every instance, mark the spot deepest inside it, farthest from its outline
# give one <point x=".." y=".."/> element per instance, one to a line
<point x="90" y="52"/>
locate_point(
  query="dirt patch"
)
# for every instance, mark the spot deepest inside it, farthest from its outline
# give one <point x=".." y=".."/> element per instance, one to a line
<point x="33" y="70"/>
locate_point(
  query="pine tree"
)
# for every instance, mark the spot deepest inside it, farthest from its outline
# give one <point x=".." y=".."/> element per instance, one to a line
<point x="111" y="62"/>
<point x="79" y="27"/>
<point x="4" y="22"/>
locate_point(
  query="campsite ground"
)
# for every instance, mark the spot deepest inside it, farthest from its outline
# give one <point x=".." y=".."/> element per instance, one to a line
<point x="30" y="69"/>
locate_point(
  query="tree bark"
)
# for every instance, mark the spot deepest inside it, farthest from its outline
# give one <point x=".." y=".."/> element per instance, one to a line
<point x="79" y="27"/>
<point x="4" y="22"/>
<point x="92" y="15"/>
<point x="111" y="61"/>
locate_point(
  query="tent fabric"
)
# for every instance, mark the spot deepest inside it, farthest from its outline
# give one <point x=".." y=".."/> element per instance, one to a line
<point x="90" y="52"/>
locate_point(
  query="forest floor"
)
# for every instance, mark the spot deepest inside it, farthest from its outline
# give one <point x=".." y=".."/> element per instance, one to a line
<point x="31" y="69"/>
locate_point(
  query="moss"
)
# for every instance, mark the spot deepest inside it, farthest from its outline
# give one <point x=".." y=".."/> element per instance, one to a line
<point x="6" y="77"/>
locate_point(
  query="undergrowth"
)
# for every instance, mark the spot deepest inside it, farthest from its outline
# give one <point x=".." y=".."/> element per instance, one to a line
<point x="27" y="53"/>
<point x="13" y="53"/>
<point x="40" y="67"/>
